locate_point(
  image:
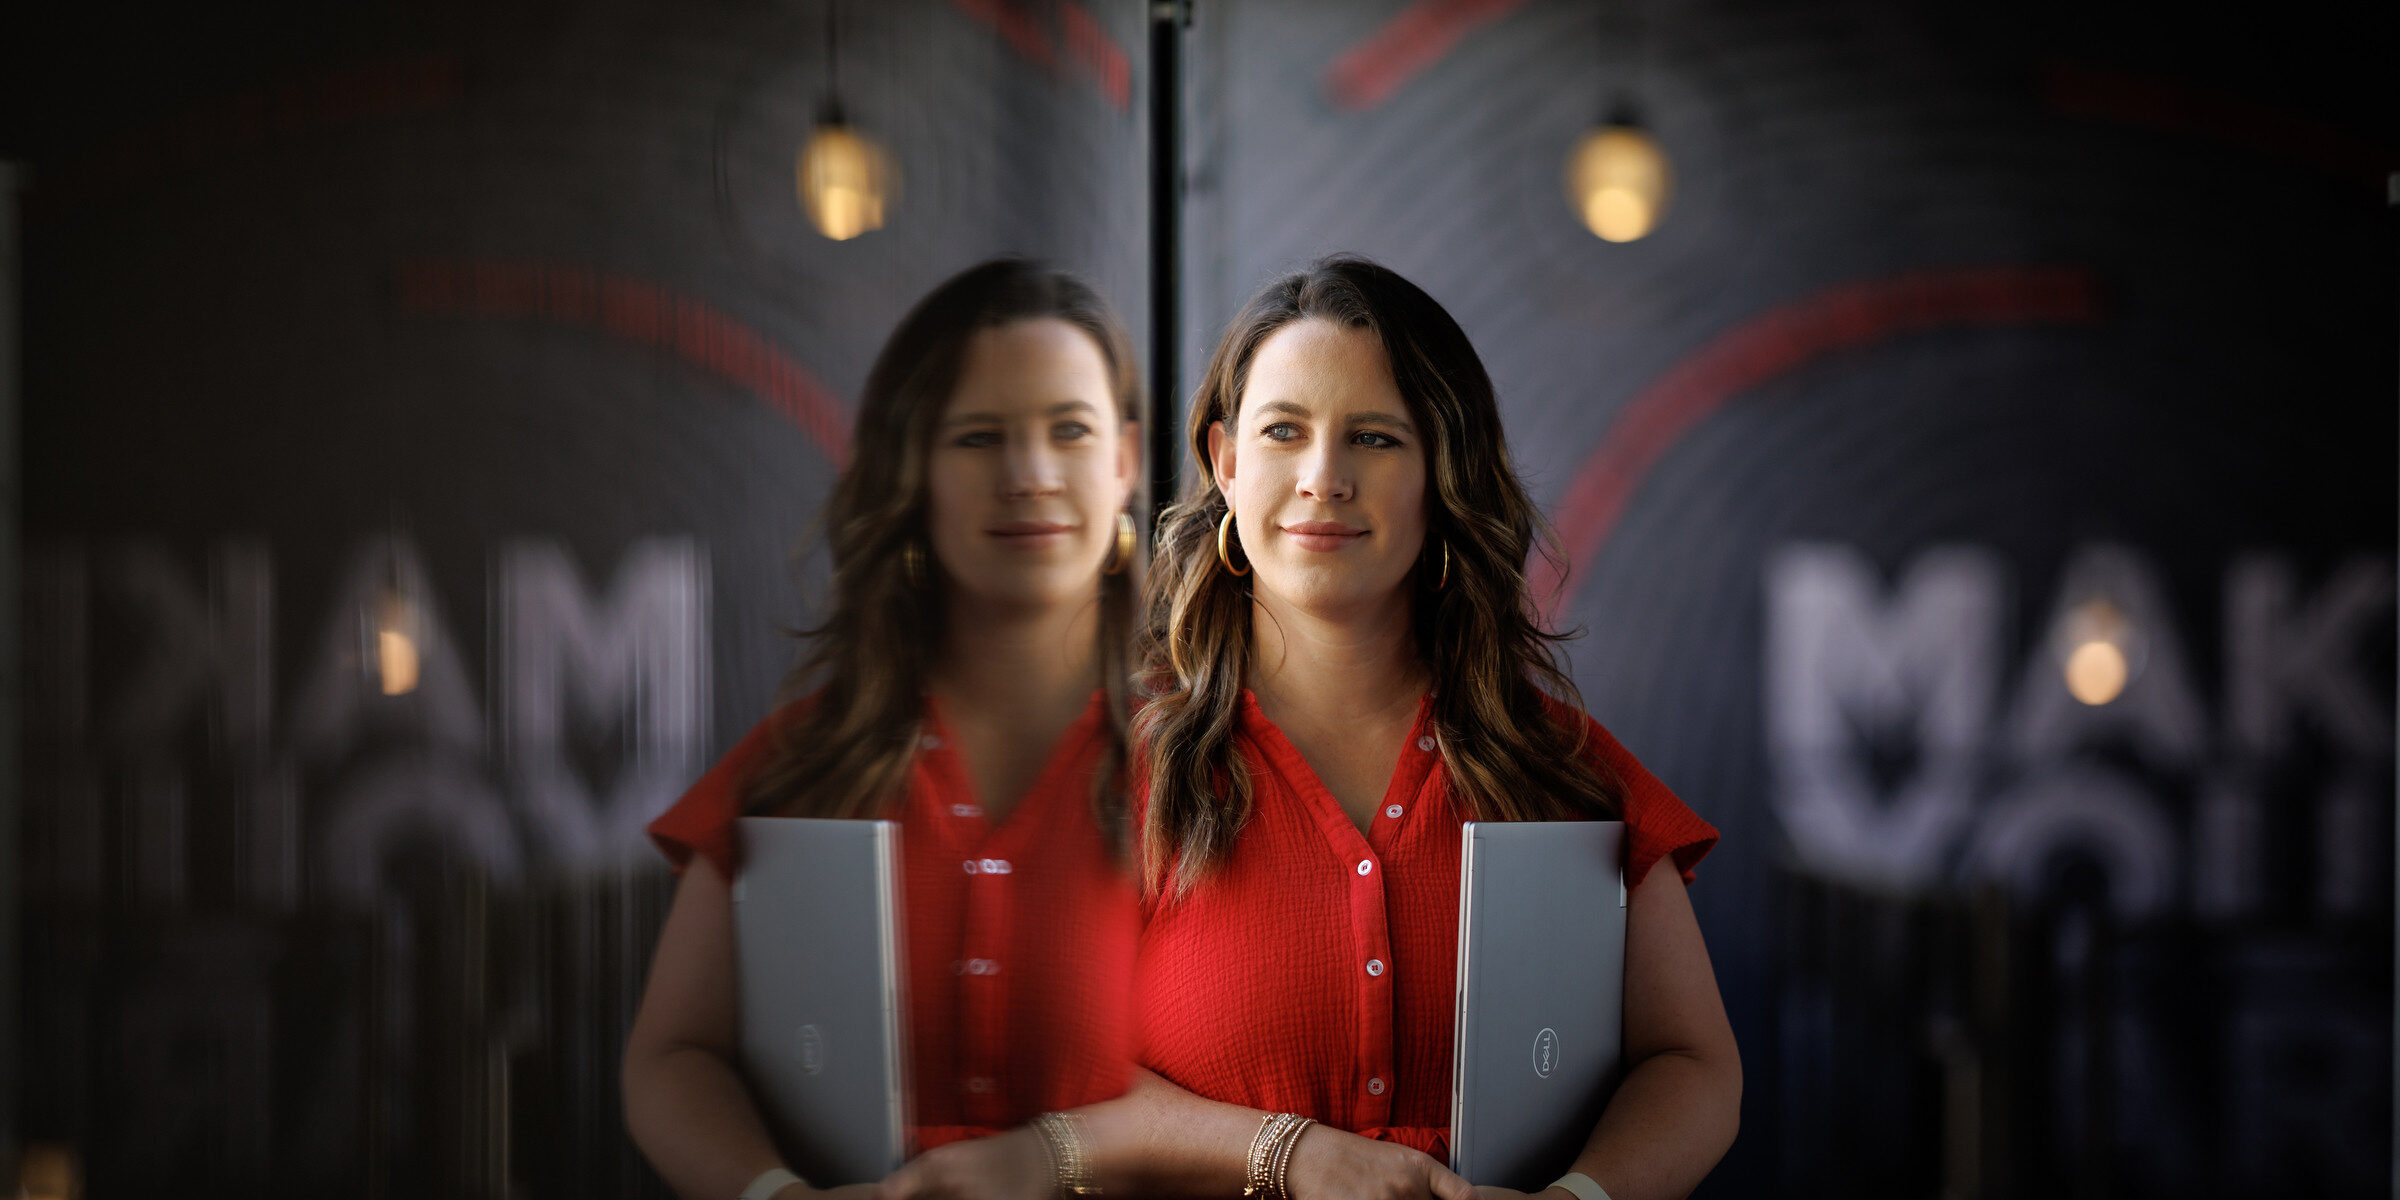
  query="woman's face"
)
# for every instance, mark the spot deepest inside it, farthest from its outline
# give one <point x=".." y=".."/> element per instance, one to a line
<point x="1031" y="462"/>
<point x="1324" y="470"/>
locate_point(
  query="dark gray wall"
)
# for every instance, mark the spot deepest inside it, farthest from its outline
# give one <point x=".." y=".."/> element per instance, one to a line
<point x="1960" y="317"/>
<point x="514" y="312"/>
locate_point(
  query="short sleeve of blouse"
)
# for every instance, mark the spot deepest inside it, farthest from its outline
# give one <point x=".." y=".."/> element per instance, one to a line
<point x="1657" y="822"/>
<point x="702" y="821"/>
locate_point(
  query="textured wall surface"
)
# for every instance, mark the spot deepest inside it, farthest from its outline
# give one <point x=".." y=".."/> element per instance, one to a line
<point x="1960" y="320"/>
<point x="512" y="315"/>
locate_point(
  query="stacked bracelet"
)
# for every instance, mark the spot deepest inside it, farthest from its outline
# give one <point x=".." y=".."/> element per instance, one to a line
<point x="1283" y="1158"/>
<point x="1062" y="1136"/>
<point x="1271" y="1155"/>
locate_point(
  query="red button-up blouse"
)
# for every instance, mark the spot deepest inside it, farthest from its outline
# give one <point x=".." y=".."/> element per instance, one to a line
<point x="1314" y="972"/>
<point x="1020" y="936"/>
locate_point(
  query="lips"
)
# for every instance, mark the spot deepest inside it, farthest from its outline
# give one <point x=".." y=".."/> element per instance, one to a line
<point x="1323" y="535"/>
<point x="1030" y="532"/>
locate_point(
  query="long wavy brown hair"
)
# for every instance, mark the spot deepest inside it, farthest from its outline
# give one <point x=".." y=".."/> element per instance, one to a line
<point x="1490" y="658"/>
<point x="847" y="753"/>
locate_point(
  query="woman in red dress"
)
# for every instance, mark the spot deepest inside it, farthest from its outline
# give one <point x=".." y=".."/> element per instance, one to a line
<point x="968" y="684"/>
<point x="1345" y="666"/>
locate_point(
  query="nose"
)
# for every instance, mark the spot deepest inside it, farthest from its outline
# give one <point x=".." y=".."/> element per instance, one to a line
<point x="1031" y="468"/>
<point x="1326" y="475"/>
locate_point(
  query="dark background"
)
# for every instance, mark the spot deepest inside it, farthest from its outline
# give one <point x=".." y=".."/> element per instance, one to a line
<point x="2039" y="302"/>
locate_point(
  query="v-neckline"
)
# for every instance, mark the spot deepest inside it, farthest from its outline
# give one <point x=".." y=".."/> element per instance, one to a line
<point x="945" y="753"/>
<point x="1410" y="772"/>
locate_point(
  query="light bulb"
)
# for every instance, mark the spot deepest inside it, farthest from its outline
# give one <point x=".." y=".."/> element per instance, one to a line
<point x="846" y="181"/>
<point x="1618" y="181"/>
<point x="396" y="645"/>
<point x="2103" y="651"/>
<point x="2096" y="672"/>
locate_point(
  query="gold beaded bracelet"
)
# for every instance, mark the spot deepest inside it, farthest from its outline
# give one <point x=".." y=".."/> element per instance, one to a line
<point x="1283" y="1158"/>
<point x="1258" y="1178"/>
<point x="1271" y="1155"/>
<point x="1062" y="1136"/>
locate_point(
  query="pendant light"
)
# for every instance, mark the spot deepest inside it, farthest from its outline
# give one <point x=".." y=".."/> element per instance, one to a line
<point x="2100" y="651"/>
<point x="1617" y="178"/>
<point x="395" y="631"/>
<point x="396" y="640"/>
<point x="846" y="180"/>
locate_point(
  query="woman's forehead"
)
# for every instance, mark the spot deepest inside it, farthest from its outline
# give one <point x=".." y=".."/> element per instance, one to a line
<point x="1030" y="365"/>
<point x="1316" y="364"/>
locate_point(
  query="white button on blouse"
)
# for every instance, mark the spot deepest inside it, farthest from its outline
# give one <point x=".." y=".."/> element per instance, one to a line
<point x="1391" y="810"/>
<point x="1375" y="1086"/>
<point x="1374" y="966"/>
<point x="1365" y="865"/>
<point x="1425" y="743"/>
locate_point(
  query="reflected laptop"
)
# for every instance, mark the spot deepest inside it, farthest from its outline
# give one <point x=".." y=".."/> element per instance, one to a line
<point x="1541" y="993"/>
<point x="824" y="1019"/>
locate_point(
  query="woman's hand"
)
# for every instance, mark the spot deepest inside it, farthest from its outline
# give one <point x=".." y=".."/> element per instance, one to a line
<point x="1008" y="1166"/>
<point x="1330" y="1164"/>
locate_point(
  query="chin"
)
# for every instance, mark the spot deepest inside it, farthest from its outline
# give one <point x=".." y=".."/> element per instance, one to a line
<point x="1028" y="585"/>
<point x="1332" y="591"/>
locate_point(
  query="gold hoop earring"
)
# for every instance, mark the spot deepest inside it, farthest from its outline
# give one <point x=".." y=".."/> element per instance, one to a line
<point x="1121" y="556"/>
<point x="912" y="565"/>
<point x="1225" y="530"/>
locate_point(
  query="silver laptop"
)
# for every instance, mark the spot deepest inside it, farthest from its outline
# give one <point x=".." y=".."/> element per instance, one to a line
<point x="824" y="1018"/>
<point x="1541" y="993"/>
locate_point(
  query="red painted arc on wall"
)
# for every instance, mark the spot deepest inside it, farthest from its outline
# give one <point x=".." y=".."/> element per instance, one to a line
<point x="1783" y="339"/>
<point x="1088" y="43"/>
<point x="1401" y="48"/>
<point x="638" y="310"/>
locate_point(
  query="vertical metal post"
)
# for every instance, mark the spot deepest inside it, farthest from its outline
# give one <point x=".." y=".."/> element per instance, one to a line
<point x="2391" y="195"/>
<point x="1168" y="20"/>
<point x="12" y="874"/>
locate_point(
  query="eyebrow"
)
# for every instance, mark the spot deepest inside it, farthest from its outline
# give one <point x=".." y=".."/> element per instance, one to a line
<point x="1364" y="418"/>
<point x="1060" y="409"/>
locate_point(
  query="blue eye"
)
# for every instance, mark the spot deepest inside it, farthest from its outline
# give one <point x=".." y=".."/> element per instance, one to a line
<point x="1368" y="437"/>
<point x="979" y="439"/>
<point x="1280" y="431"/>
<point x="1068" y="431"/>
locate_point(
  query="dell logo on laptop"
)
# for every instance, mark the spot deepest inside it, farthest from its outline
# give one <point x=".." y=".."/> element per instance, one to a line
<point x="1545" y="1052"/>
<point x="812" y="1050"/>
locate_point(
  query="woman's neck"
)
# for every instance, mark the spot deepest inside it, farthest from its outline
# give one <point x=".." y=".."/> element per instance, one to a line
<point x="1031" y="660"/>
<point x="1330" y="667"/>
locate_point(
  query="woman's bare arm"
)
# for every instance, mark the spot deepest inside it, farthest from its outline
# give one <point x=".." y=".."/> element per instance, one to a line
<point x="1160" y="1140"/>
<point x="1676" y="1112"/>
<point x="684" y="1103"/>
